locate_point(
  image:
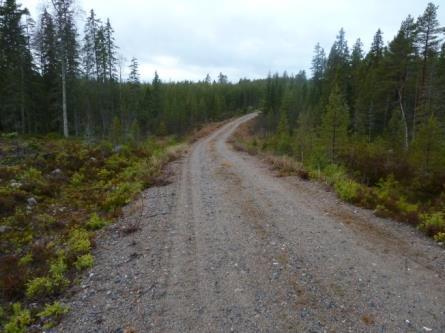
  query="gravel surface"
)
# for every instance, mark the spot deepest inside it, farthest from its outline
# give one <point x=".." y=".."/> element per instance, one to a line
<point x="230" y="247"/>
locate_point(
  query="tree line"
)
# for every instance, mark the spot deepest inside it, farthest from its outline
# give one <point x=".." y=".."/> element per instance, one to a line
<point x="55" y="78"/>
<point x="379" y="112"/>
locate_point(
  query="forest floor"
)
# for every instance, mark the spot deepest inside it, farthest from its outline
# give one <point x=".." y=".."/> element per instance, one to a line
<point x="228" y="245"/>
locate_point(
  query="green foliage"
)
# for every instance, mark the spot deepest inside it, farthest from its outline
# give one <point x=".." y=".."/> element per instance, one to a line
<point x="84" y="262"/>
<point x="52" y="313"/>
<point x="387" y="189"/>
<point x="25" y="260"/>
<point x="47" y="285"/>
<point x="334" y="127"/>
<point x="57" y="273"/>
<point x="37" y="287"/>
<point x="440" y="237"/>
<point x="95" y="222"/>
<point x="19" y="321"/>
<point x="433" y="224"/>
<point x="347" y="189"/>
<point x="77" y="179"/>
<point x="121" y="195"/>
<point x="78" y="242"/>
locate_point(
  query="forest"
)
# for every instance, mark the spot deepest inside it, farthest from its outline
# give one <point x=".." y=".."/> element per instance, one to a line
<point x="371" y="124"/>
<point x="79" y="141"/>
<point x="57" y="77"/>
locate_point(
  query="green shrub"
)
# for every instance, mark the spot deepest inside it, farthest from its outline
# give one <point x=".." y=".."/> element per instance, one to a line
<point x="20" y="319"/>
<point x="52" y="313"/>
<point x="387" y="189"/>
<point x="95" y="222"/>
<point x="122" y="195"/>
<point x="433" y="223"/>
<point x="77" y="179"/>
<point x="406" y="207"/>
<point x="440" y="237"/>
<point x="78" y="242"/>
<point x="334" y="173"/>
<point x="45" y="220"/>
<point x="382" y="211"/>
<point x="39" y="287"/>
<point x="25" y="260"/>
<point x="347" y="189"/>
<point x="84" y="262"/>
<point x="48" y="285"/>
<point x="57" y="273"/>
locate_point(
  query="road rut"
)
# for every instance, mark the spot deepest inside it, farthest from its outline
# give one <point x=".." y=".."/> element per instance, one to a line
<point x="230" y="247"/>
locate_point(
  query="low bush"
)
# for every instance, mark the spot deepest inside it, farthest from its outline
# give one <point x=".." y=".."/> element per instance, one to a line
<point x="52" y="313"/>
<point x="95" y="222"/>
<point x="84" y="262"/>
<point x="432" y="224"/>
<point x="19" y="320"/>
<point x="53" y="197"/>
<point x="78" y="242"/>
<point x="347" y="189"/>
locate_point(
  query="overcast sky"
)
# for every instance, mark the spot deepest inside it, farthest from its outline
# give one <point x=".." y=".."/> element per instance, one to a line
<point x="186" y="39"/>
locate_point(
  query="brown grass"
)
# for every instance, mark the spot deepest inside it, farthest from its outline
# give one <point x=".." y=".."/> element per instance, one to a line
<point x="206" y="130"/>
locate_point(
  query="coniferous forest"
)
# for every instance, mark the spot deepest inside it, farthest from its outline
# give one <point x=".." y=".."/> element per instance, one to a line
<point x="80" y="138"/>
<point x="58" y="77"/>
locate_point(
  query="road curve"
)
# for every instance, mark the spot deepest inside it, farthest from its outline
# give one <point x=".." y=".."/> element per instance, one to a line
<point x="229" y="246"/>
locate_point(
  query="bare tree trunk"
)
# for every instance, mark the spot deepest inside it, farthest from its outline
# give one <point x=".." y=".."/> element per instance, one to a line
<point x="64" y="107"/>
<point x="405" y="123"/>
<point x="22" y="99"/>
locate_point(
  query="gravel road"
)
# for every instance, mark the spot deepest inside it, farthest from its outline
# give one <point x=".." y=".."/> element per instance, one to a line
<point x="230" y="247"/>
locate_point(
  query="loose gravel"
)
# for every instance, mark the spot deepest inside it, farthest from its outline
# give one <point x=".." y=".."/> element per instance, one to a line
<point x="230" y="247"/>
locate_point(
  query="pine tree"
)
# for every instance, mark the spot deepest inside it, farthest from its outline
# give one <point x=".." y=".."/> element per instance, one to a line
<point x="399" y="67"/>
<point x="67" y="50"/>
<point x="428" y="37"/>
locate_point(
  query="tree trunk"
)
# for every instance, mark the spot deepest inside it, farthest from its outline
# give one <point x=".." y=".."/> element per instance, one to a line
<point x="405" y="123"/>
<point x="22" y="99"/>
<point x="64" y="107"/>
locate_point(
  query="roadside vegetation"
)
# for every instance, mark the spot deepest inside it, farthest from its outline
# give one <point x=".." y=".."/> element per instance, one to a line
<point x="370" y="124"/>
<point x="55" y="194"/>
<point x="391" y="195"/>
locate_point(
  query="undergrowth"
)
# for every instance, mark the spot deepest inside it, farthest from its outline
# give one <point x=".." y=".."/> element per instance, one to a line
<point x="407" y="198"/>
<point x="55" y="194"/>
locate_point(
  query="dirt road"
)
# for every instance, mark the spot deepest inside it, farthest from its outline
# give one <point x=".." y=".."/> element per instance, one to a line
<point x="228" y="246"/>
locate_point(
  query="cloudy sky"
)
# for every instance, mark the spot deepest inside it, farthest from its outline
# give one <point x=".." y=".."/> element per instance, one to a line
<point x="186" y="39"/>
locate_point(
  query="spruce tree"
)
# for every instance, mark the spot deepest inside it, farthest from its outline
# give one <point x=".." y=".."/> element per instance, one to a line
<point x="334" y="127"/>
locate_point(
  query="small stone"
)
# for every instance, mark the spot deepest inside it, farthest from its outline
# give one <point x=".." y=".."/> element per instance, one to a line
<point x="32" y="201"/>
<point x="15" y="184"/>
<point x="4" y="228"/>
